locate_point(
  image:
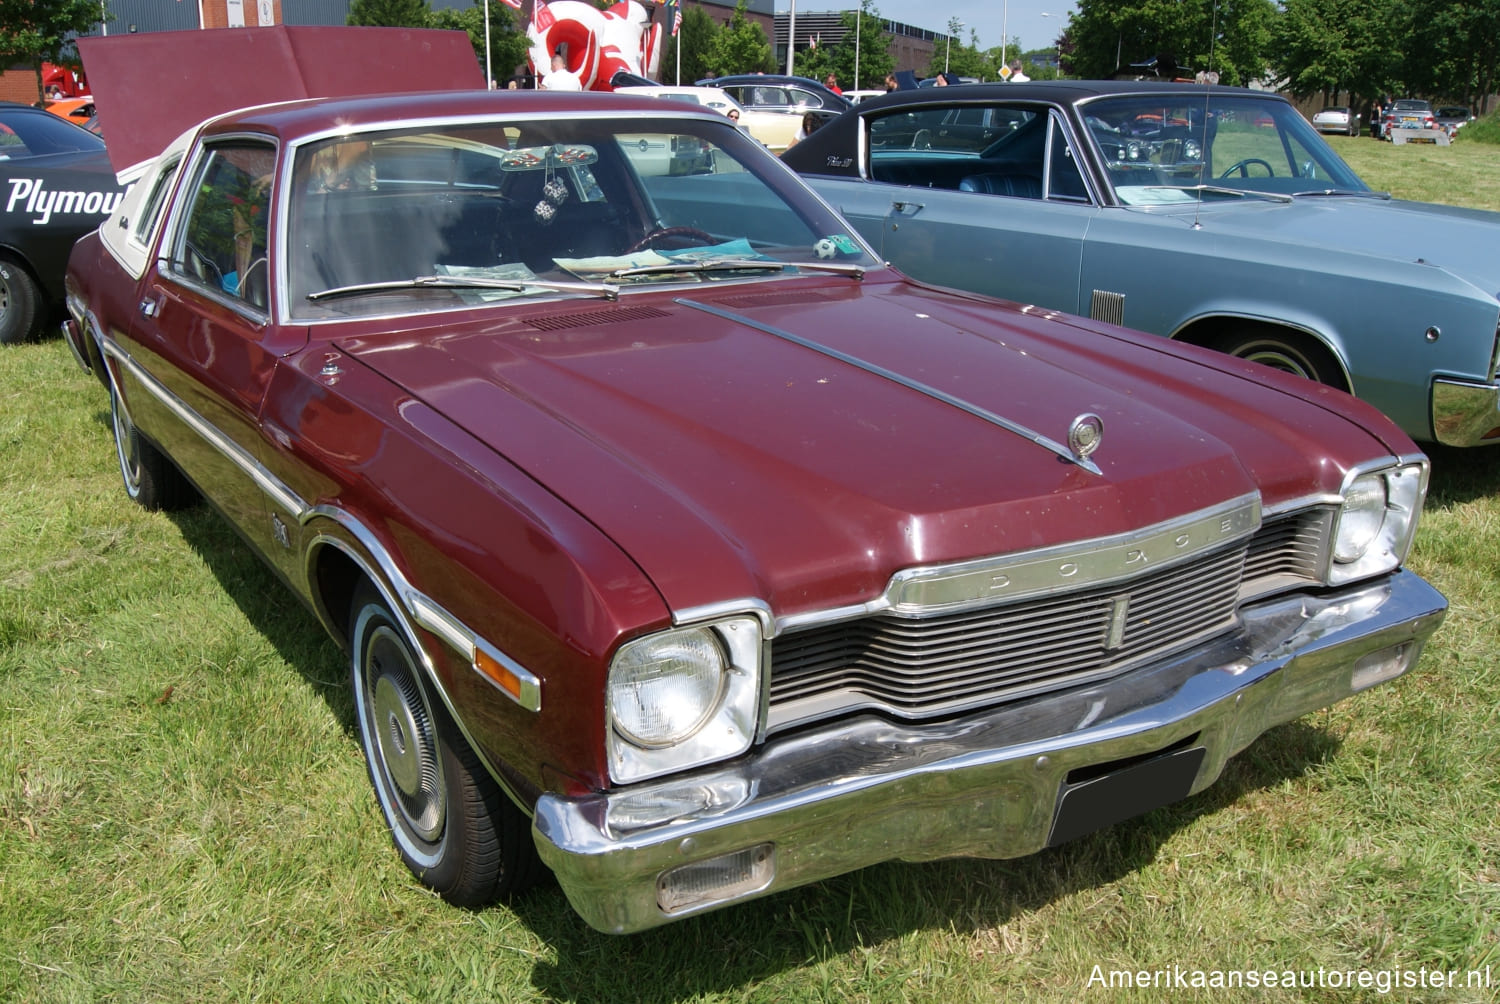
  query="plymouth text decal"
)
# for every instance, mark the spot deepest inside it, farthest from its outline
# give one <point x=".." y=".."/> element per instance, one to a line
<point x="28" y="196"/>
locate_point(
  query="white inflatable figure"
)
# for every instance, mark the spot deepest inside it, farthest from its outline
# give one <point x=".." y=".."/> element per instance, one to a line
<point x="597" y="44"/>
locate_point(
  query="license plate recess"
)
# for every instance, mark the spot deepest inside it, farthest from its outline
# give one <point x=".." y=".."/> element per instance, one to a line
<point x="1118" y="794"/>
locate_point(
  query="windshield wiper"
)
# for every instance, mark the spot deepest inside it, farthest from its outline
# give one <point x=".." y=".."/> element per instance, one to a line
<point x="1220" y="190"/>
<point x="599" y="289"/>
<point x="1361" y="193"/>
<point x="738" y="265"/>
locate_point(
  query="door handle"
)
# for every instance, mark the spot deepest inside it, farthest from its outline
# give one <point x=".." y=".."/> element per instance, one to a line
<point x="906" y="208"/>
<point x="151" y="305"/>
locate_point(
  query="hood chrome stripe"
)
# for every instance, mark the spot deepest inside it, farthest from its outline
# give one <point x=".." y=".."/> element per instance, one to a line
<point x="916" y="385"/>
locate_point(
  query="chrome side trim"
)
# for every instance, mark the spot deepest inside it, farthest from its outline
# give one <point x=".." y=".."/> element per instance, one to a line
<point x="274" y="488"/>
<point x="399" y="611"/>
<point x="941" y="589"/>
<point x="938" y="395"/>
<point x="423" y="609"/>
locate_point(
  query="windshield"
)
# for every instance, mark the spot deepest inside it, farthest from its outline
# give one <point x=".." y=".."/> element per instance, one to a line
<point x="1167" y="148"/>
<point x="562" y="207"/>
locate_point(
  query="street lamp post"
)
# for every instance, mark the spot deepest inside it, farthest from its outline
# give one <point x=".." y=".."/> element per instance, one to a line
<point x="791" y="36"/>
<point x="858" y="13"/>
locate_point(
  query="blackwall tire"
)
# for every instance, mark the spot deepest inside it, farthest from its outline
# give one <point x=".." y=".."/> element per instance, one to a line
<point x="20" y="304"/>
<point x="452" y="825"/>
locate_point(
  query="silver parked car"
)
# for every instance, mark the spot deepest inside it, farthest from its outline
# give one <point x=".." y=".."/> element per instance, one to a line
<point x="1337" y="119"/>
<point x="1216" y="216"/>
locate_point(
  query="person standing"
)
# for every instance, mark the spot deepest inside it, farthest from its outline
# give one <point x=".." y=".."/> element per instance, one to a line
<point x="832" y="83"/>
<point x="560" y="78"/>
<point x="1017" y="75"/>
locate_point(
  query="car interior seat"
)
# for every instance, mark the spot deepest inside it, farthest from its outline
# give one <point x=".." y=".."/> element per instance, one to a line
<point x="1014" y="184"/>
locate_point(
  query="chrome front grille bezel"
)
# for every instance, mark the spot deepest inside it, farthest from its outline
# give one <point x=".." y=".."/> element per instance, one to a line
<point x="915" y="664"/>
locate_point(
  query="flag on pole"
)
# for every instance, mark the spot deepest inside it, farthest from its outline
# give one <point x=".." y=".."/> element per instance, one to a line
<point x="512" y="3"/>
<point x="675" y="6"/>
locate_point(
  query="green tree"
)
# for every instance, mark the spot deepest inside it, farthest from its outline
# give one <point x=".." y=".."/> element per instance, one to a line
<point x="873" y="53"/>
<point x="953" y="56"/>
<point x="815" y="62"/>
<point x="508" y="45"/>
<point x="36" y="31"/>
<point x="390" y="13"/>
<point x="1454" y="49"/>
<point x="1230" y="37"/>
<point x="1040" y="64"/>
<point x="1329" y="47"/>
<point x="741" y="47"/>
<point x="697" y="39"/>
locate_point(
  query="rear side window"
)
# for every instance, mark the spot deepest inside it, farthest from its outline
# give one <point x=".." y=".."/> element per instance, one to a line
<point x="156" y="198"/>
<point x="36" y="135"/>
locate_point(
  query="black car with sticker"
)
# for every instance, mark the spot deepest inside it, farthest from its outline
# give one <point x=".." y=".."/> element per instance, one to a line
<point x="56" y="184"/>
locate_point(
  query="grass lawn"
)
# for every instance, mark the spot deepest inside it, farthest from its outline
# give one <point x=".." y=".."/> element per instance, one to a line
<point x="184" y="813"/>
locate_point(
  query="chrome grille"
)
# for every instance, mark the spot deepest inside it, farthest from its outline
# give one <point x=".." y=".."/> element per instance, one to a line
<point x="923" y="667"/>
<point x="1288" y="550"/>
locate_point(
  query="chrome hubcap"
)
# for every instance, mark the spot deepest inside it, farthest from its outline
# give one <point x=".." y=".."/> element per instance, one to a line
<point x="126" y="446"/>
<point x="1281" y="359"/>
<point x="401" y="728"/>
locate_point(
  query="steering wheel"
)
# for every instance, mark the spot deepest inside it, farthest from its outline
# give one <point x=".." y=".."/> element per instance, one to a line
<point x="701" y="236"/>
<point x="1243" y="167"/>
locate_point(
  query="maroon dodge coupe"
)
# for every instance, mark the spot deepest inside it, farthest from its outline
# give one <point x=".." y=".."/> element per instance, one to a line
<point x="684" y="548"/>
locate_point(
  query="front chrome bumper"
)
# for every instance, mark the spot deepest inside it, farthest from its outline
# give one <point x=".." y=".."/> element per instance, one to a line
<point x="1465" y="414"/>
<point x="995" y="784"/>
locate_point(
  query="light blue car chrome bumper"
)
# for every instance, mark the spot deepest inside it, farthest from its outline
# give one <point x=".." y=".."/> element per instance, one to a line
<point x="1465" y="414"/>
<point x="995" y="784"/>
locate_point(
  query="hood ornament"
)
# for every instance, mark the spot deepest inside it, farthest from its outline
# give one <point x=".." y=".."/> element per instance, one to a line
<point x="1085" y="435"/>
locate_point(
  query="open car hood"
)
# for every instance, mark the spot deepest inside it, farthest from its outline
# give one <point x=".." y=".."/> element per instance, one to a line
<point x="150" y="88"/>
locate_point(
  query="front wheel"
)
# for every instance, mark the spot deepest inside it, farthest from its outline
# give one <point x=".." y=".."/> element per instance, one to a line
<point x="1285" y="351"/>
<point x="453" y="826"/>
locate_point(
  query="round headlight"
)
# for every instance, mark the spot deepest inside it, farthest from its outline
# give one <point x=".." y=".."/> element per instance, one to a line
<point x="663" y="688"/>
<point x="1361" y="518"/>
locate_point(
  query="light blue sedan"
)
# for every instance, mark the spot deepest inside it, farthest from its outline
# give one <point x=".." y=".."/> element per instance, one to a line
<point x="1211" y="215"/>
